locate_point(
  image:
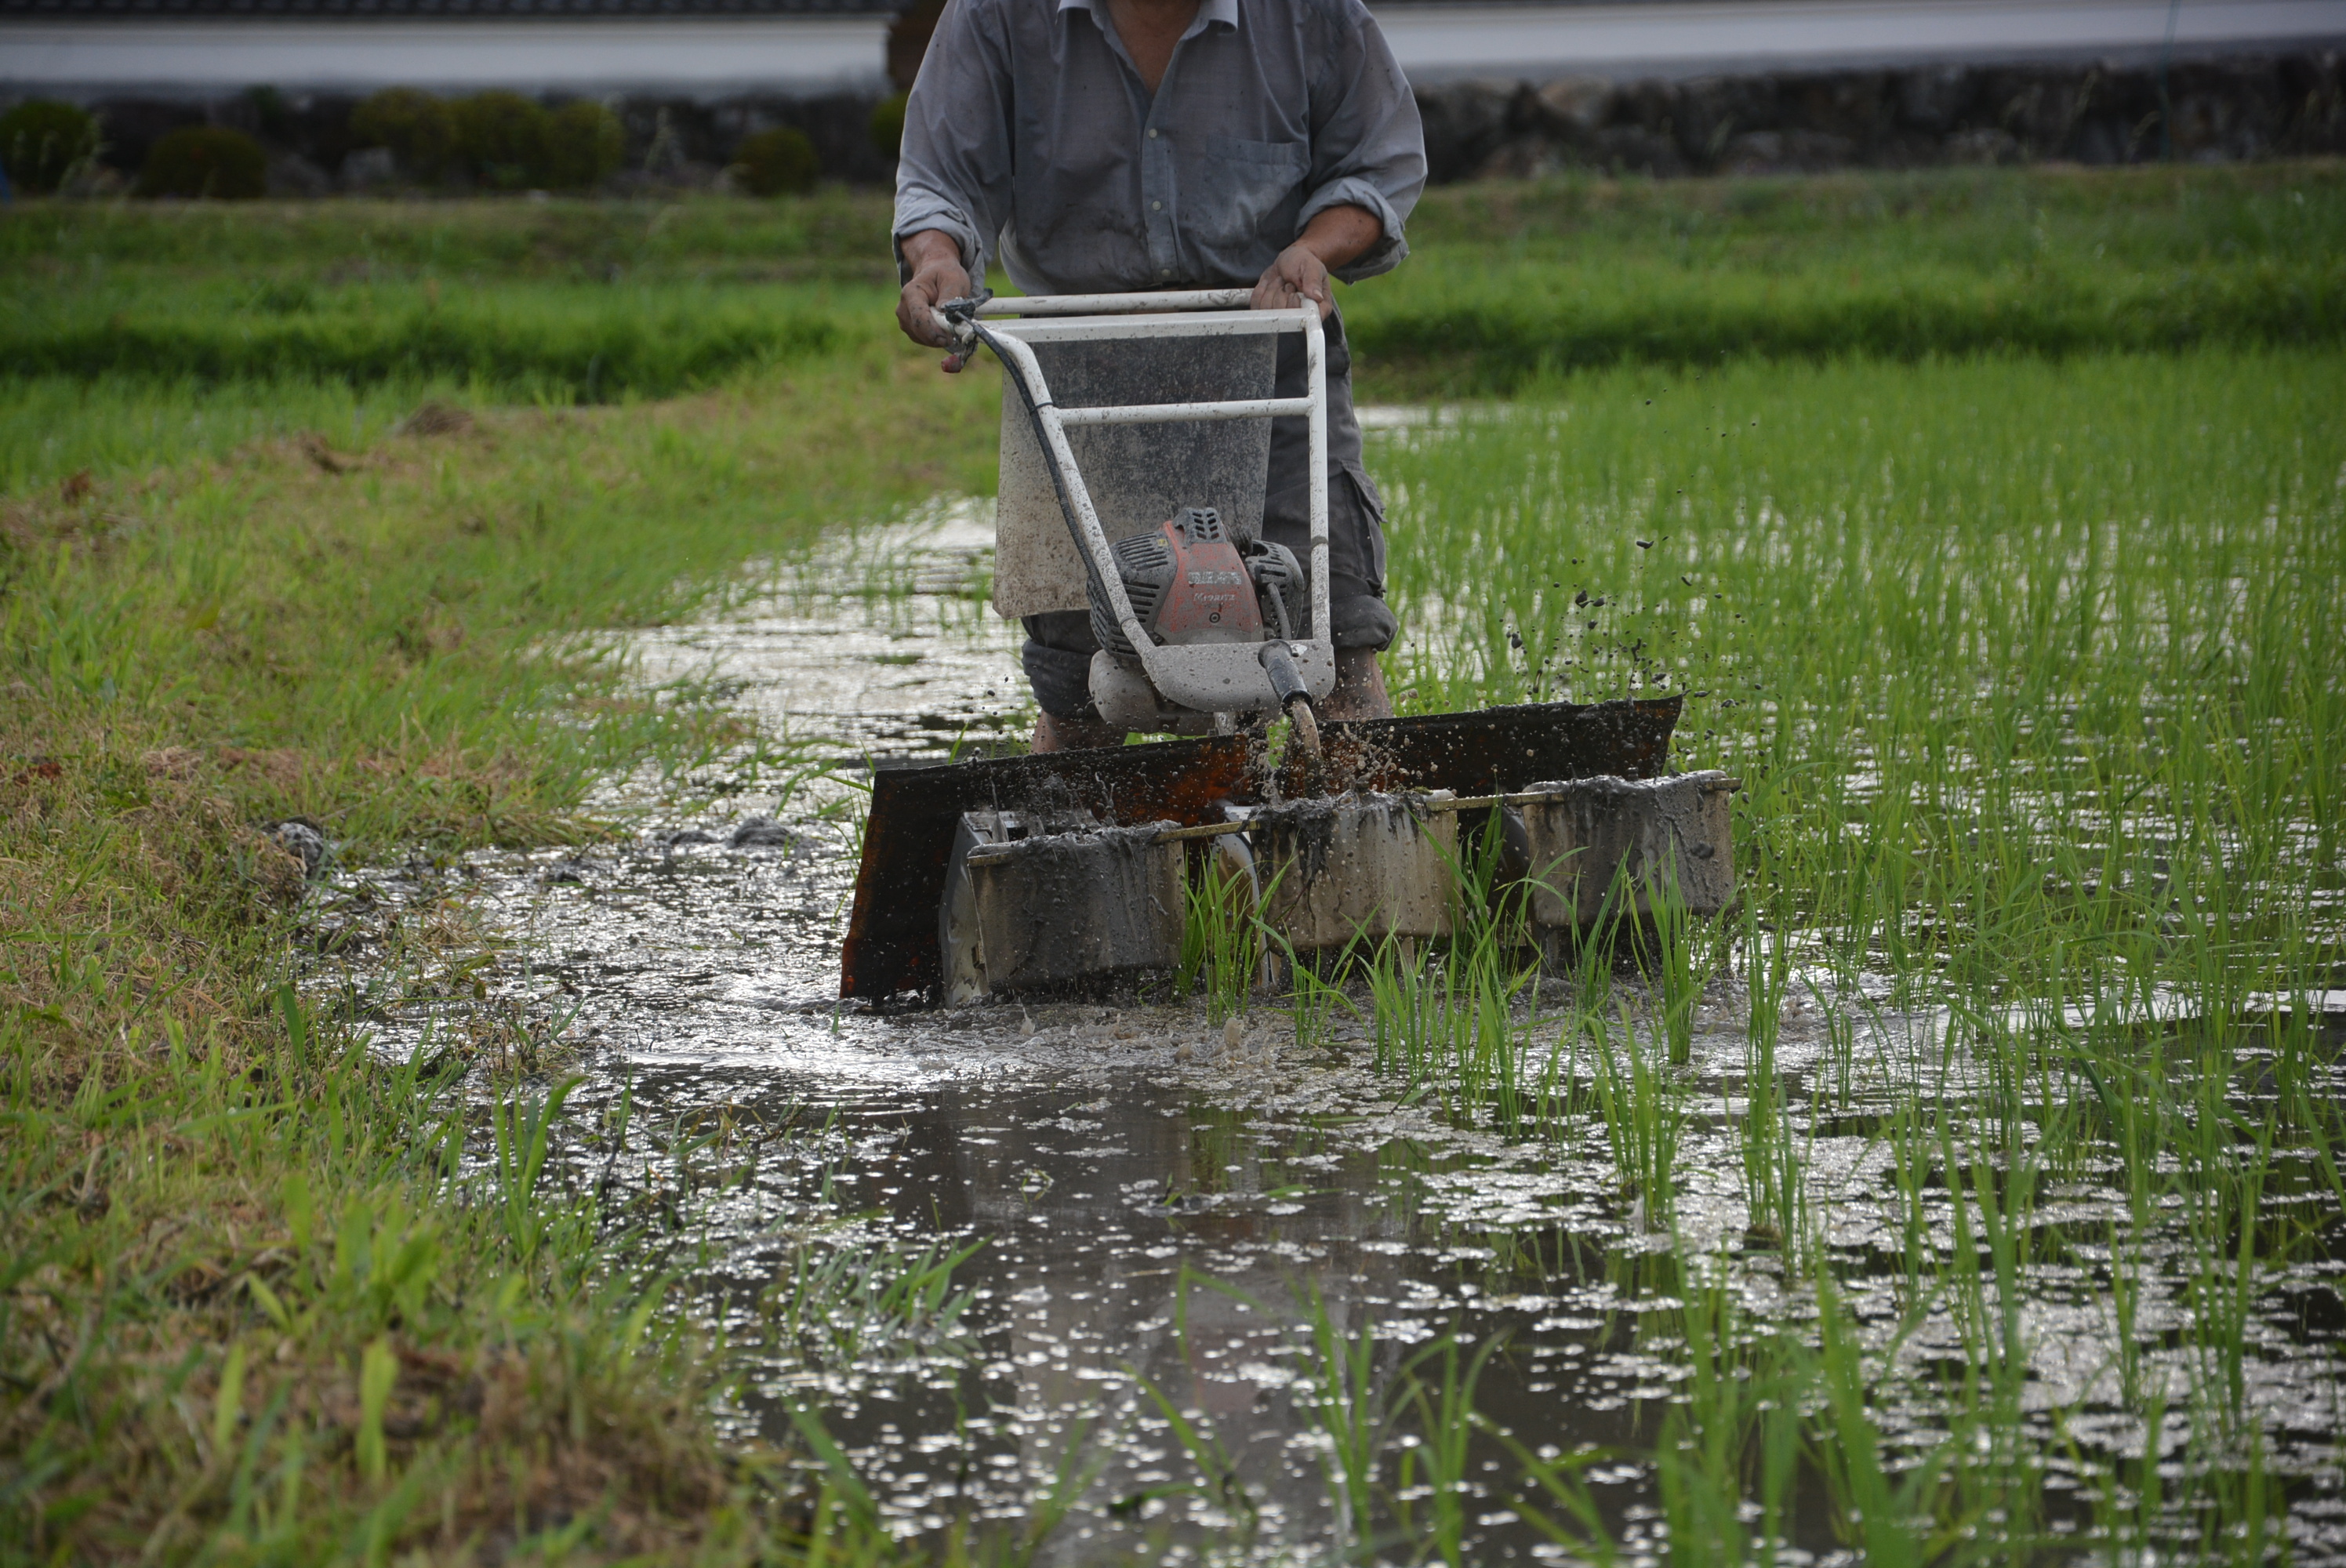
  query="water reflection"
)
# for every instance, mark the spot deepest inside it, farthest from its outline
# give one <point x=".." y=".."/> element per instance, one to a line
<point x="1165" y="1209"/>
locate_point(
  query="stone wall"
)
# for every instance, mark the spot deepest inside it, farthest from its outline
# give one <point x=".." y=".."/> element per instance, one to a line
<point x="672" y="143"/>
<point x="2208" y="110"/>
<point x="2216" y="110"/>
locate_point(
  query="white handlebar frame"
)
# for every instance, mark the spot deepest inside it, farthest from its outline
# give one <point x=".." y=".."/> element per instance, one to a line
<point x="1212" y="677"/>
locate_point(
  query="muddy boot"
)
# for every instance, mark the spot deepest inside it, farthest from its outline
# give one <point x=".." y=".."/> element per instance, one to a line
<point x="1052" y="734"/>
<point x="1360" y="689"/>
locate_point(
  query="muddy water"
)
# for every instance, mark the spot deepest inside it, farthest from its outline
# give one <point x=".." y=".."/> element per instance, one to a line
<point x="1160" y="1206"/>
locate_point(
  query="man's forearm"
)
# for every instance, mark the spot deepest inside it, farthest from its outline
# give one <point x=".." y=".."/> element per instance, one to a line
<point x="1341" y="234"/>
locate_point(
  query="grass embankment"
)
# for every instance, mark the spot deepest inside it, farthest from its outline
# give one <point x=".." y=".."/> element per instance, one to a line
<point x="133" y="335"/>
<point x="198" y="328"/>
<point x="1513" y="282"/>
<point x="241" y="1319"/>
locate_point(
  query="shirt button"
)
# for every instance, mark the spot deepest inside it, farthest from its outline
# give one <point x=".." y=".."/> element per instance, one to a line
<point x="1156" y="207"/>
<point x="1165" y="272"/>
<point x="1152" y="133"/>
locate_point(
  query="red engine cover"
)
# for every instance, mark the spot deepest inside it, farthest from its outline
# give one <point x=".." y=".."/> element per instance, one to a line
<point x="1212" y="599"/>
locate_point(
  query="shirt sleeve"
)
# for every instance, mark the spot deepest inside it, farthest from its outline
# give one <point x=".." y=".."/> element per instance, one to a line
<point x="1368" y="148"/>
<point x="954" y="172"/>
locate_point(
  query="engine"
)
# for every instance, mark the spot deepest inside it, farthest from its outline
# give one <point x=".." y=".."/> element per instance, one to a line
<point x="1191" y="581"/>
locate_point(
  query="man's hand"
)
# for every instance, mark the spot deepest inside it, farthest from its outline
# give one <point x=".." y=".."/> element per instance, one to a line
<point x="938" y="276"/>
<point x="1335" y="236"/>
<point x="1298" y="275"/>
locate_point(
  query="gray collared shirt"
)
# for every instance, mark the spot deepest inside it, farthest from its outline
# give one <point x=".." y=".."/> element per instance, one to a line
<point x="1029" y="128"/>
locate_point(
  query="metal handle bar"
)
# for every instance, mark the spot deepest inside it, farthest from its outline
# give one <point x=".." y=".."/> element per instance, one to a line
<point x="1118" y="304"/>
<point x="1052" y="422"/>
<point x="1177" y="413"/>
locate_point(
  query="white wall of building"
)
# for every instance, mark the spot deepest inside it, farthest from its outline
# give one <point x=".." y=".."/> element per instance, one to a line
<point x="807" y="53"/>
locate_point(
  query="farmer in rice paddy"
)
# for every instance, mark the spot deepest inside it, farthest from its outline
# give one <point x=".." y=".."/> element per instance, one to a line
<point x="1104" y="145"/>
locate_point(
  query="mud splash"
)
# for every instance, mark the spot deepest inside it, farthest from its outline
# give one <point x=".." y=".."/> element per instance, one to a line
<point x="1159" y="1212"/>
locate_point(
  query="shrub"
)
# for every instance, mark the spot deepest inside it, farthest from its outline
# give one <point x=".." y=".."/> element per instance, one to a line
<point x="775" y="161"/>
<point x="205" y="161"/>
<point x="41" y="141"/>
<point x="413" y="127"/>
<point x="888" y="125"/>
<point x="583" y="143"/>
<point x="502" y="139"/>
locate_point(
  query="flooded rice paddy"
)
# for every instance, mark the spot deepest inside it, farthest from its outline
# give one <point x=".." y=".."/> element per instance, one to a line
<point x="1129" y="1282"/>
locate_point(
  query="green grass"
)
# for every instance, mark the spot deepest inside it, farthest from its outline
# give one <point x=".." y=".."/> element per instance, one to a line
<point x="1510" y="282"/>
<point x="537" y="342"/>
<point x="200" y="311"/>
<point x="835" y="236"/>
<point x="242" y="1320"/>
<point x="52" y="427"/>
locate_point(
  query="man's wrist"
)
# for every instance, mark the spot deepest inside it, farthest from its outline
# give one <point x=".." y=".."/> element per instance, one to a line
<point x="930" y="248"/>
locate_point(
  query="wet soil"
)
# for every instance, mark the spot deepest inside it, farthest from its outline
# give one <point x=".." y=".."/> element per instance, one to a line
<point x="1159" y="1203"/>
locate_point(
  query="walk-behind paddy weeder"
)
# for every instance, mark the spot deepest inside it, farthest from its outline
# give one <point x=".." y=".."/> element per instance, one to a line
<point x="1031" y="875"/>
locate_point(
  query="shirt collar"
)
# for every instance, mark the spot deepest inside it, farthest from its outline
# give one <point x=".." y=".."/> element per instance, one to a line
<point x="1210" y="13"/>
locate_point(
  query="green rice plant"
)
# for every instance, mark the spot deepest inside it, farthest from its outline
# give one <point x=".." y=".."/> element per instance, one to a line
<point x="1313" y="999"/>
<point x="843" y="1489"/>
<point x="1643" y="1109"/>
<point x="1891" y="1521"/>
<point x="1455" y="1021"/>
<point x="1344" y="1401"/>
<point x="1729" y="1453"/>
<point x="1224" y="948"/>
<point x="2017" y="263"/>
<point x="1581" y="1533"/>
<point x="1405" y="1008"/>
<point x="1914" y="1141"/>
<point x="2222" y="1223"/>
<point x="1669" y="949"/>
<point x="2000" y="759"/>
<point x="851" y="1297"/>
<point x="1218" y="1484"/>
<point x="1990" y="1466"/>
<point x="1448" y="1024"/>
<point x="1447" y="1422"/>
<point x="1775" y="1183"/>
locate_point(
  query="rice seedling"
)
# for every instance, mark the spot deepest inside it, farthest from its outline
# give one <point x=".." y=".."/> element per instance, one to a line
<point x="1557" y="1481"/>
<point x="1671" y="958"/>
<point x="1452" y="1021"/>
<point x="1890" y="1518"/>
<point x="1775" y="1180"/>
<point x="1447" y="1423"/>
<point x="1726" y="1458"/>
<point x="1227" y="947"/>
<point x="1643" y="1104"/>
<point x="2035" y="907"/>
<point x="1350" y="1410"/>
<point x="852" y="1298"/>
<point x="1935" y="266"/>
